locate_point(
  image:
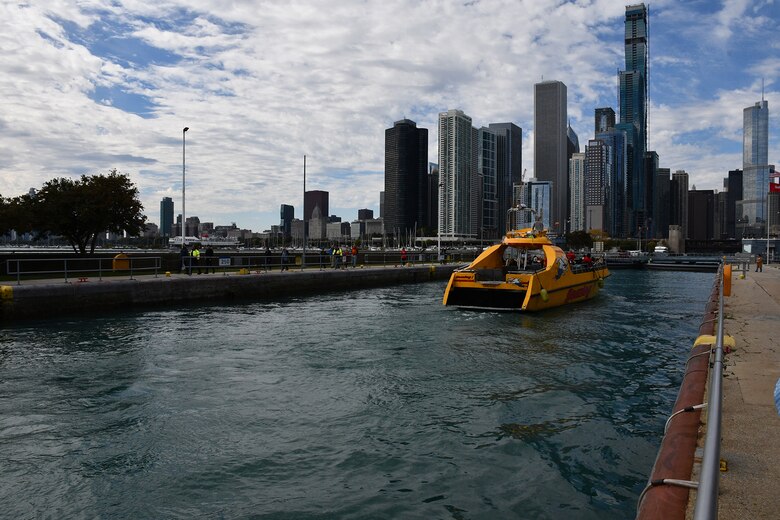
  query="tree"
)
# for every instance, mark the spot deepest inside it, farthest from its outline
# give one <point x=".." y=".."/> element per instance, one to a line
<point x="80" y="210"/>
<point x="579" y="239"/>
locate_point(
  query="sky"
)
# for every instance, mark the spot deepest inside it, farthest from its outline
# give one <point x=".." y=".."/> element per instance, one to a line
<point x="87" y="86"/>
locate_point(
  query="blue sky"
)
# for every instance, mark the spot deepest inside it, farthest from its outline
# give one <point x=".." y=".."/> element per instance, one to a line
<point x="91" y="85"/>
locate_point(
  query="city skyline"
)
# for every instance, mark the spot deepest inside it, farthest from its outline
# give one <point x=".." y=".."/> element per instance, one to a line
<point x="88" y="88"/>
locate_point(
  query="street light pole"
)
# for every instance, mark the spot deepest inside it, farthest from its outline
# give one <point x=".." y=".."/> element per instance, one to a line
<point x="183" y="172"/>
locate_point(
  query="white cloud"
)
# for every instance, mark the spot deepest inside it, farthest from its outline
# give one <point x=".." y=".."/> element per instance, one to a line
<point x="262" y="84"/>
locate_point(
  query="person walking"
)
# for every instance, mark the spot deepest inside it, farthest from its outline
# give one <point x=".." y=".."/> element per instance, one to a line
<point x="337" y="257"/>
<point x="354" y="255"/>
<point x="184" y="256"/>
<point x="759" y="263"/>
<point x="267" y="258"/>
<point x="285" y="256"/>
<point x="209" y="256"/>
<point x="195" y="258"/>
<point x="404" y="256"/>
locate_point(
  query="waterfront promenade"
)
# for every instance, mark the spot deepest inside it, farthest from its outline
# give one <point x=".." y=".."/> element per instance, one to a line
<point x="751" y="423"/>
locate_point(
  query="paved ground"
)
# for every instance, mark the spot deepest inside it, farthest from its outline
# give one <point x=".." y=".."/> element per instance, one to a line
<point x="750" y="489"/>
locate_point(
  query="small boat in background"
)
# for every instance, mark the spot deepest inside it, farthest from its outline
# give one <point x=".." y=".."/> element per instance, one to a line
<point x="525" y="272"/>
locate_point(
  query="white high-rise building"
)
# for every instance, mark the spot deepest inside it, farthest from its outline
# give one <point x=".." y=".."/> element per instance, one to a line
<point x="459" y="182"/>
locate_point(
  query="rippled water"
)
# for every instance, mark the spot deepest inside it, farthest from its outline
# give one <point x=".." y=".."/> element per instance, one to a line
<point x="367" y="404"/>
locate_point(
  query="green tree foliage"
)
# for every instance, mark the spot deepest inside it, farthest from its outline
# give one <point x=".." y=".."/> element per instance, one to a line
<point x="80" y="210"/>
<point x="579" y="239"/>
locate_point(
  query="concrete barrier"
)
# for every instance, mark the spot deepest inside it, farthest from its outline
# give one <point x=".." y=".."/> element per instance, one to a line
<point x="44" y="300"/>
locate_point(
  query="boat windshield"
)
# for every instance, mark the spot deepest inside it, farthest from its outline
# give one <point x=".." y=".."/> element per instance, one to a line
<point x="523" y="258"/>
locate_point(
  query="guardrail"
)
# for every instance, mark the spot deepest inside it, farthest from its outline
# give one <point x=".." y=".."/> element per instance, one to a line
<point x="672" y="470"/>
<point x="707" y="492"/>
<point x="68" y="268"/>
<point x="81" y="268"/>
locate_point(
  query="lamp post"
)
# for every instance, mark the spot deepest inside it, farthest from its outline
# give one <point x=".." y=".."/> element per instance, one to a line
<point x="183" y="171"/>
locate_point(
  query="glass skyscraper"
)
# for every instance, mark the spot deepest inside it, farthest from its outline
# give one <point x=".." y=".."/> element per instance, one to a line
<point x="633" y="111"/>
<point x="166" y="217"/>
<point x="751" y="216"/>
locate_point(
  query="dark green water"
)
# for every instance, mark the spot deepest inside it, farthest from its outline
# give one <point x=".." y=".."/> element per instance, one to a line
<point x="367" y="404"/>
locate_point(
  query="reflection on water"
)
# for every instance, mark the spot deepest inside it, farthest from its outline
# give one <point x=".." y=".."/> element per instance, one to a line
<point x="368" y="404"/>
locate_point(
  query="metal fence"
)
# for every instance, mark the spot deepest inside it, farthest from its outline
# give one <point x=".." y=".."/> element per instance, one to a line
<point x="28" y="269"/>
<point x="81" y="268"/>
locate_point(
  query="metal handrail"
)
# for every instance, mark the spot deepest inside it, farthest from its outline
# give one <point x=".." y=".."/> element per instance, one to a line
<point x="706" y="507"/>
<point x="73" y="267"/>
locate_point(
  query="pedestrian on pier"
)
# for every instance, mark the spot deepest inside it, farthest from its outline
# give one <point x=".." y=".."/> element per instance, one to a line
<point x="195" y="257"/>
<point x="267" y="257"/>
<point x="354" y="255"/>
<point x="285" y="256"/>
<point x="184" y="256"/>
<point x="404" y="257"/>
<point x="209" y="256"/>
<point x="759" y="263"/>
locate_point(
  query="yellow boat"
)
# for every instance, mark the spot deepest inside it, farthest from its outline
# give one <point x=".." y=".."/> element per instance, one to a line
<point x="525" y="272"/>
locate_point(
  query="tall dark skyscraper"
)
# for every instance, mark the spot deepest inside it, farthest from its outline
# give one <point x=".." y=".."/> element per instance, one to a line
<point x="315" y="199"/>
<point x="633" y="111"/>
<point x="286" y="216"/>
<point x="166" y="217"/>
<point x="509" y="168"/>
<point x="733" y="194"/>
<point x="551" y="146"/>
<point x="406" y="177"/>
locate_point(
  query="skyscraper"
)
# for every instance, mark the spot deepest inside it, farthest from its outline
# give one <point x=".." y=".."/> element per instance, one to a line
<point x="487" y="164"/>
<point x="577" y="192"/>
<point x="509" y="168"/>
<point x="663" y="202"/>
<point x="315" y="199"/>
<point x="755" y="168"/>
<point x="459" y="211"/>
<point x="605" y="120"/>
<point x="550" y="146"/>
<point x="596" y="178"/>
<point x="733" y="194"/>
<point x="406" y="161"/>
<point x="166" y="217"/>
<point x="678" y="198"/>
<point x="432" y="217"/>
<point x="286" y="216"/>
<point x="633" y="111"/>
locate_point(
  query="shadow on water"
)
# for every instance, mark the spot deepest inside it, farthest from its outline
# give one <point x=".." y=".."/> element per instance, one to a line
<point x="366" y="404"/>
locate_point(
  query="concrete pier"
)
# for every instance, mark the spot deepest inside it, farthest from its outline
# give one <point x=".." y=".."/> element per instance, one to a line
<point x="48" y="298"/>
<point x="751" y="423"/>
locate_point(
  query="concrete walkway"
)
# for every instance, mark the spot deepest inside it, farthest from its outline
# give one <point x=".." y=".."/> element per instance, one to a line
<point x="750" y="489"/>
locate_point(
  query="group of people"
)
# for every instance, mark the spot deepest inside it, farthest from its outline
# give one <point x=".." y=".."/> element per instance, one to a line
<point x="190" y="260"/>
<point x="340" y="257"/>
<point x="585" y="260"/>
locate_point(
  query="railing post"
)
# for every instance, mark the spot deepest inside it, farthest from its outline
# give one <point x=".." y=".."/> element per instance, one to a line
<point x="66" y="270"/>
